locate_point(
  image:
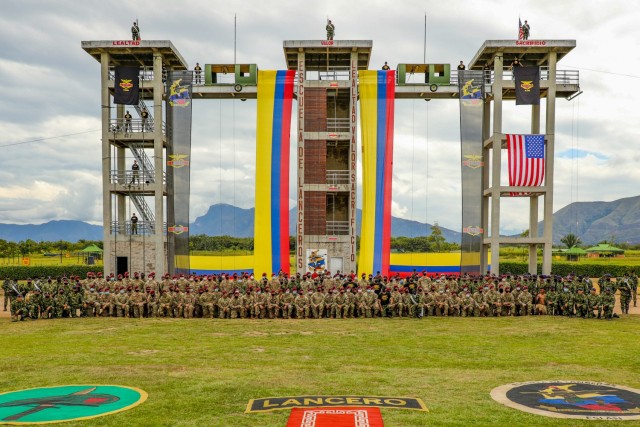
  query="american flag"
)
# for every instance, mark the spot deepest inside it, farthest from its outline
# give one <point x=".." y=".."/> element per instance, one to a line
<point x="526" y="161"/>
<point x="520" y="30"/>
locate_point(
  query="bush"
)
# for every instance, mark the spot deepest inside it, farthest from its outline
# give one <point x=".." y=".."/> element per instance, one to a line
<point x="25" y="272"/>
<point x="566" y="268"/>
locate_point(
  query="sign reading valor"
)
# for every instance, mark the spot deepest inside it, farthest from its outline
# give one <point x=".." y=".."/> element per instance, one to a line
<point x="277" y="403"/>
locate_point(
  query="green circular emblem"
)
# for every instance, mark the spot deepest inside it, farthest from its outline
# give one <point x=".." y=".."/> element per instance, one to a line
<point x="66" y="403"/>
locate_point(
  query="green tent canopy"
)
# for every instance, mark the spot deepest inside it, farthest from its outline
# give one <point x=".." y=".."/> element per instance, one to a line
<point x="605" y="247"/>
<point x="92" y="249"/>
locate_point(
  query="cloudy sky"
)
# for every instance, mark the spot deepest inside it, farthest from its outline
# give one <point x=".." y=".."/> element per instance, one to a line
<point x="50" y="108"/>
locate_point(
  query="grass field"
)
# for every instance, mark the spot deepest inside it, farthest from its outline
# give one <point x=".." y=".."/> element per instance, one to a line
<point x="203" y="372"/>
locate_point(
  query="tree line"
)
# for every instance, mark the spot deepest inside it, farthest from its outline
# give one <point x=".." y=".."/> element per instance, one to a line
<point x="27" y="247"/>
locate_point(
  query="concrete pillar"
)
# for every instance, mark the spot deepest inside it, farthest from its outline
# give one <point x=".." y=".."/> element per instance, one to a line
<point x="486" y="152"/>
<point x="158" y="164"/>
<point x="533" y="200"/>
<point x="300" y="243"/>
<point x="496" y="163"/>
<point x="105" y="101"/>
<point x="549" y="159"/>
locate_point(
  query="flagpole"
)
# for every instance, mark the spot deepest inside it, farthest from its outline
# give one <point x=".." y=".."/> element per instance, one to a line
<point x="424" y="55"/>
<point x="235" y="32"/>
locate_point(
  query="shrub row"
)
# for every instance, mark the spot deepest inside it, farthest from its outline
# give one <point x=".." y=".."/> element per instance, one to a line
<point x="566" y="268"/>
<point x="560" y="268"/>
<point x="25" y="272"/>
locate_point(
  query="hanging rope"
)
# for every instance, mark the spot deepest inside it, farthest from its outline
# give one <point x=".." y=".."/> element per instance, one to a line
<point x="413" y="156"/>
<point x="220" y="158"/>
<point x="577" y="162"/>
<point x="426" y="190"/>
<point x="233" y="164"/>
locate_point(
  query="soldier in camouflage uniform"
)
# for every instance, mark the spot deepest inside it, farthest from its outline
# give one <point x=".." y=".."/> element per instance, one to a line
<point x="260" y="300"/>
<point x="205" y="300"/>
<point x="480" y="306"/>
<point x="224" y="306"/>
<point x="525" y="302"/>
<point x="137" y="301"/>
<point x="165" y="304"/>
<point x="6" y="290"/>
<point x="236" y="305"/>
<point x="581" y="303"/>
<point x="273" y="305"/>
<point x="19" y="310"/>
<point x="607" y="302"/>
<point x="633" y="279"/>
<point x="301" y="304"/>
<point x="91" y="305"/>
<point x="466" y="304"/>
<point x="286" y="304"/>
<point x="189" y="301"/>
<point x="76" y="301"/>
<point x="121" y="303"/>
<point x="317" y="304"/>
<point x="593" y="304"/>
<point x="625" y="294"/>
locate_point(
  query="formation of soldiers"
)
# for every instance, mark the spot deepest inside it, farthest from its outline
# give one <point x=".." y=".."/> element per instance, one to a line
<point x="316" y="296"/>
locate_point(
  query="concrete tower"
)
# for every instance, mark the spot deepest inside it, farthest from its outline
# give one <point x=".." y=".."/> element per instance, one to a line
<point x="327" y="93"/>
<point x="143" y="141"/>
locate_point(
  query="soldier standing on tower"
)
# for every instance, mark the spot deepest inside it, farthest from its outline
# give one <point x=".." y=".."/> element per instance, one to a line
<point x="525" y="30"/>
<point x="330" y="30"/>
<point x="135" y="31"/>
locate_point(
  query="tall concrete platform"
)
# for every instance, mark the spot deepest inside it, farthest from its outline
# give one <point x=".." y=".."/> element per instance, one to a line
<point x="495" y="57"/>
<point x="140" y="248"/>
<point x="327" y="93"/>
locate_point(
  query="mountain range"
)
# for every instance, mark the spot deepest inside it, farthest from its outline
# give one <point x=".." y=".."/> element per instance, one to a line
<point x="592" y="222"/>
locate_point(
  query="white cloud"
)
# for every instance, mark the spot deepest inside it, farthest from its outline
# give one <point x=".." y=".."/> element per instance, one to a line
<point x="51" y="88"/>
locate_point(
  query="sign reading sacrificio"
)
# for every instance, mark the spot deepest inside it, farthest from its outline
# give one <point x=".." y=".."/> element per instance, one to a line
<point x="278" y="403"/>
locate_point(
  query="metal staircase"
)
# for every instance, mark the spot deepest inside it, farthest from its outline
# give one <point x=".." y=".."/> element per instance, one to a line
<point x="144" y="209"/>
<point x="143" y="107"/>
<point x="148" y="172"/>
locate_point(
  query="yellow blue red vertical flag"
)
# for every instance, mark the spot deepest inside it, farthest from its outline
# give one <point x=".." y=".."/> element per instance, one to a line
<point x="271" y="228"/>
<point x="377" y="95"/>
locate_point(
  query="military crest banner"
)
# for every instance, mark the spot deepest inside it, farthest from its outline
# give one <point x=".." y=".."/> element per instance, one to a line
<point x="527" y="85"/>
<point x="127" y="86"/>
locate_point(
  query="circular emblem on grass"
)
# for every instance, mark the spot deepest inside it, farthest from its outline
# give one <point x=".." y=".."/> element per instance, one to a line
<point x="66" y="403"/>
<point x="571" y="399"/>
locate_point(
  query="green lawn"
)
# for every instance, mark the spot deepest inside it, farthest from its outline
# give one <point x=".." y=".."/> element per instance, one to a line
<point x="203" y="372"/>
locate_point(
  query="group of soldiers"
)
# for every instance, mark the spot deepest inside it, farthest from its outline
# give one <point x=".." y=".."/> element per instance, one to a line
<point x="316" y="296"/>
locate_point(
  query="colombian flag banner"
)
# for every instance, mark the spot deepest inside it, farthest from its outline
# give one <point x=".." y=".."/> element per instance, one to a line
<point x="271" y="229"/>
<point x="377" y="93"/>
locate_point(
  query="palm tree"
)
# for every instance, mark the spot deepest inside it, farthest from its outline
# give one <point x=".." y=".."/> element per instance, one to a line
<point x="571" y="240"/>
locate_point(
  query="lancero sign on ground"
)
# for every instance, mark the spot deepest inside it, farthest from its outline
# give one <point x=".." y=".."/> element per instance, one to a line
<point x="278" y="403"/>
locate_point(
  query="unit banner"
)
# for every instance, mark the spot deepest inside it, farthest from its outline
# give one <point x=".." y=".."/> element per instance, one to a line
<point x="471" y="114"/>
<point x="178" y="168"/>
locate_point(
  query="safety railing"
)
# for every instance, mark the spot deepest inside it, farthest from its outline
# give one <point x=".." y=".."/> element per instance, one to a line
<point x="337" y="177"/>
<point x="145" y="73"/>
<point x="338" y="125"/>
<point x="141" y="228"/>
<point x="563" y="77"/>
<point x="328" y="74"/>
<point x="337" y="228"/>
<point x="133" y="125"/>
<point x="133" y="179"/>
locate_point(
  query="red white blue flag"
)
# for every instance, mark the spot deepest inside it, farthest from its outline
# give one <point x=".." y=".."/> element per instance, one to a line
<point x="526" y="161"/>
<point x="520" y="30"/>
